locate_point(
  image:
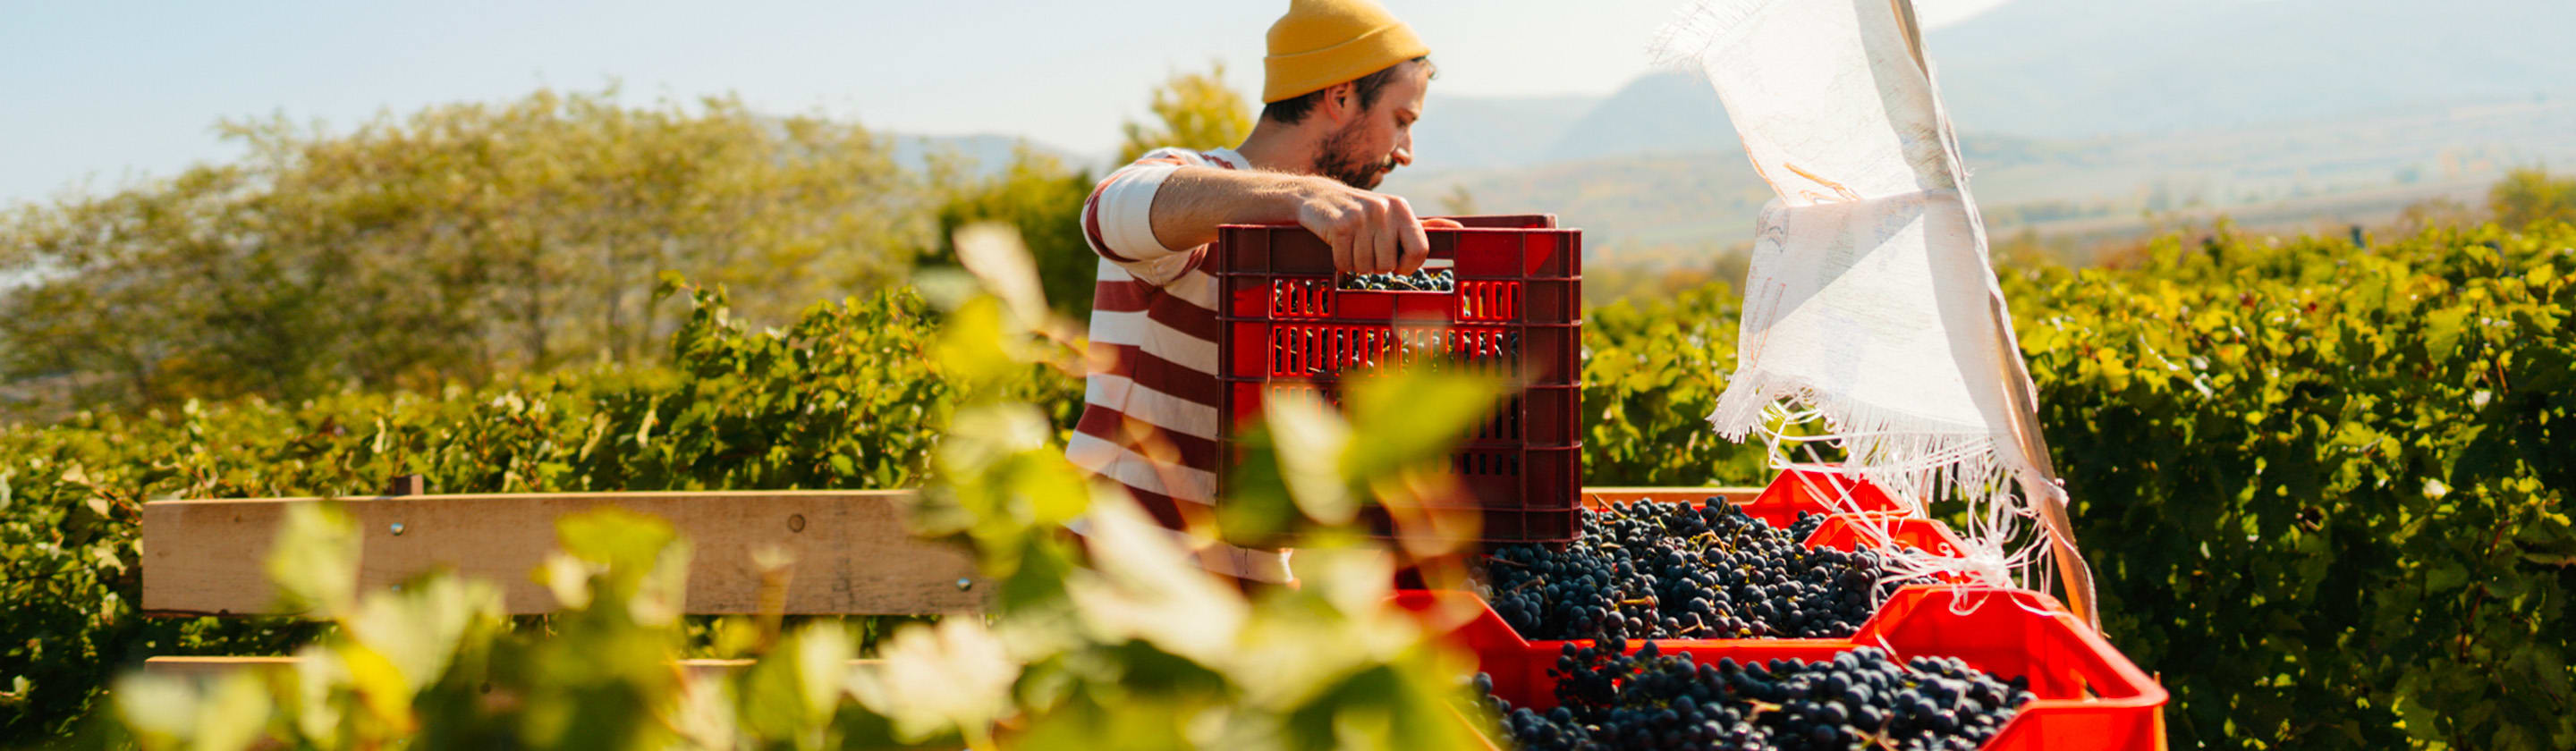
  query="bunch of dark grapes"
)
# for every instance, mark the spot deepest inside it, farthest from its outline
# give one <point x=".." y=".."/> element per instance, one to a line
<point x="1421" y="280"/>
<point x="1670" y="571"/>
<point x="1859" y="699"/>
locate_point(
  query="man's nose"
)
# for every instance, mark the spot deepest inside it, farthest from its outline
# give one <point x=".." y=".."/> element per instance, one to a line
<point x="1404" y="153"/>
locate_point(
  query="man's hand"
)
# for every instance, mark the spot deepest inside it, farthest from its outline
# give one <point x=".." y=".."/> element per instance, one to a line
<point x="1371" y="233"/>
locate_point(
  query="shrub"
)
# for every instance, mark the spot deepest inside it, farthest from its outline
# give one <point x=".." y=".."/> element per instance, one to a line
<point x="2324" y="486"/>
<point x="846" y="397"/>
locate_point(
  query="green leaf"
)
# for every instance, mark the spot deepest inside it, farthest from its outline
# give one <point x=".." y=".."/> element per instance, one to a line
<point x="1415" y="417"/>
<point x="235" y="716"/>
<point x="1311" y="442"/>
<point x="1147" y="588"/>
<point x="641" y="566"/>
<point x="993" y="252"/>
<point x="932" y="681"/>
<point x="314" y="559"/>
<point x="2443" y="329"/>
<point x="793" y="691"/>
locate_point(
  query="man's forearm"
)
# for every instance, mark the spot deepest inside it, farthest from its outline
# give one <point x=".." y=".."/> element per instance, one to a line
<point x="1370" y="233"/>
<point x="1194" y="201"/>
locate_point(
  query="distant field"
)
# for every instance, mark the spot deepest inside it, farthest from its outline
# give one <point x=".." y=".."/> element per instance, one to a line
<point x="2324" y="214"/>
<point x="1671" y="208"/>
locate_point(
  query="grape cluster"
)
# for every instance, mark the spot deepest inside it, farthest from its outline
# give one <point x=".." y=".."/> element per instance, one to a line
<point x="1421" y="280"/>
<point x="1861" y="698"/>
<point x="1670" y="571"/>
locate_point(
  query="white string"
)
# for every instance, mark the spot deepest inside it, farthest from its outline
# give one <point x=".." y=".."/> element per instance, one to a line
<point x="1998" y="547"/>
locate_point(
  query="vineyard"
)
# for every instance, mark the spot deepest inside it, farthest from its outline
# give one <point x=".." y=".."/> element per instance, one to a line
<point x="2323" y="488"/>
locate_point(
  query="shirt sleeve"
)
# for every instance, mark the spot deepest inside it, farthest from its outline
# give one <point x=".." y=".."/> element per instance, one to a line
<point x="1118" y="218"/>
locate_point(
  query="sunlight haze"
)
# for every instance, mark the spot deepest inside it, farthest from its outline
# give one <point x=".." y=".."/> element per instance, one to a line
<point x="108" y="91"/>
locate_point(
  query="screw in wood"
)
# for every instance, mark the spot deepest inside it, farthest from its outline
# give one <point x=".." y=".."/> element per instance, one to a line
<point x="396" y="527"/>
<point x="964" y="584"/>
<point x="796" y="522"/>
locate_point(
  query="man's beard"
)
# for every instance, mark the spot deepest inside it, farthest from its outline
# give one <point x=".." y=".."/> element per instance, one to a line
<point x="1336" y="160"/>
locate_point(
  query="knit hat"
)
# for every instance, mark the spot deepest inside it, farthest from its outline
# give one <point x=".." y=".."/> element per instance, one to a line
<point x="1325" y="42"/>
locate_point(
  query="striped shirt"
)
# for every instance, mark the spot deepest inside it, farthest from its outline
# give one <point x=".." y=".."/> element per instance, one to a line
<point x="1150" y="402"/>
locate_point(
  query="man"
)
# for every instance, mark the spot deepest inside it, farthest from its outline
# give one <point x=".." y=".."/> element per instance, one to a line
<point x="1344" y="82"/>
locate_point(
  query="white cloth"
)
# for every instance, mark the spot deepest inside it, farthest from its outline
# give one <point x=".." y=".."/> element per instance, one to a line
<point x="1870" y="303"/>
<point x="1874" y="311"/>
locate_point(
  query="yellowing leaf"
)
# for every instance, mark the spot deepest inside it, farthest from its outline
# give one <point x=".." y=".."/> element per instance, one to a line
<point x="1414" y="417"/>
<point x="993" y="252"/>
<point x="235" y="715"/>
<point x="314" y="560"/>
<point x="1311" y="442"/>
<point x="954" y="677"/>
<point x="1146" y="586"/>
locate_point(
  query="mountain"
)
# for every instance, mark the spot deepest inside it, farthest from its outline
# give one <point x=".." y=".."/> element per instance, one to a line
<point x="1632" y="199"/>
<point x="2081" y="121"/>
<point x="2081" y="69"/>
<point x="2296" y="176"/>
<point x="1663" y="112"/>
<point x="989" y="153"/>
<point x="1482" y="132"/>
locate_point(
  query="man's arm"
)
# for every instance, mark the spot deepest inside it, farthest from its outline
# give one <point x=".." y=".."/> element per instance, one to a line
<point x="1371" y="233"/>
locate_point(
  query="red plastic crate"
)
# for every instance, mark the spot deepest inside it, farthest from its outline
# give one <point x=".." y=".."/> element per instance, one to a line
<point x="1797" y="491"/>
<point x="1778" y="508"/>
<point x="1807" y="490"/>
<point x="2090" y="696"/>
<point x="1780" y="503"/>
<point x="1516" y="312"/>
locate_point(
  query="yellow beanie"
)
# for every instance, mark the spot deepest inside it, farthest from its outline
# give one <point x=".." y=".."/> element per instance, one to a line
<point x="1325" y="42"/>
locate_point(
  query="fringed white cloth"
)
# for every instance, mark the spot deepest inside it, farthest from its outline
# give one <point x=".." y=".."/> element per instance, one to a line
<point x="1871" y="306"/>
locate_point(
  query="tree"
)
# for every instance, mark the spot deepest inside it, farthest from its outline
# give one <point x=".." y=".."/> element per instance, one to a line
<point x="137" y="296"/>
<point x="1197" y="111"/>
<point x="2434" y="212"/>
<point x="1042" y="198"/>
<point x="458" y="242"/>
<point x="2527" y="196"/>
<point x="1458" y="202"/>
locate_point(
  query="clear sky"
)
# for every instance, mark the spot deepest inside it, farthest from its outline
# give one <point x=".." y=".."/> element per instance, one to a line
<point x="105" y="91"/>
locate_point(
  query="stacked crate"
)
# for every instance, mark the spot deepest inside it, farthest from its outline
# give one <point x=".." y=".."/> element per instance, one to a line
<point x="1515" y="312"/>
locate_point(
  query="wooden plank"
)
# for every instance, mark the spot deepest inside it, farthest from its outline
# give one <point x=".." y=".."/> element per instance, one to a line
<point x="210" y="668"/>
<point x="1598" y="496"/>
<point x="852" y="554"/>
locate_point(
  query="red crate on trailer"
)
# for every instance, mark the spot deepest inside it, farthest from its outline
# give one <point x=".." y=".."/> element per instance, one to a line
<point x="1516" y="310"/>
<point x="2089" y="695"/>
<point x="1801" y="489"/>
<point x="1804" y="491"/>
<point x="1807" y="490"/>
<point x="1791" y="494"/>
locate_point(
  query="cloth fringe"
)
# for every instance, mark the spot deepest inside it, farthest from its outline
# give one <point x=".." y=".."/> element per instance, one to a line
<point x="1915" y="460"/>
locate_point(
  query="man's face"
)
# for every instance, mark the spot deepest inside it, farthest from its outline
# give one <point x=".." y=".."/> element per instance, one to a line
<point x="1380" y="138"/>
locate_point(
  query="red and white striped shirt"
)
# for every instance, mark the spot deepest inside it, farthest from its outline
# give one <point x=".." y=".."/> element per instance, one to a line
<point x="1149" y="416"/>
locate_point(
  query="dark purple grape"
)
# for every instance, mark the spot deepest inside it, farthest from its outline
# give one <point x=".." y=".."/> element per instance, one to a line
<point x="1609" y="700"/>
<point x="1664" y="571"/>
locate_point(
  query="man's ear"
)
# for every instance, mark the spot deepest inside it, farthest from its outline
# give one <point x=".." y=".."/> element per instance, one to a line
<point x="1341" y="103"/>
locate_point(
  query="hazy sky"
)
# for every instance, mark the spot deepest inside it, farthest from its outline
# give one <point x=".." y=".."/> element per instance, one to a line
<point x="106" y="90"/>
